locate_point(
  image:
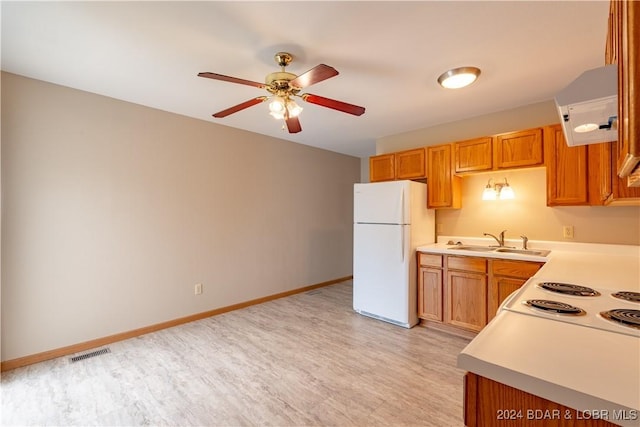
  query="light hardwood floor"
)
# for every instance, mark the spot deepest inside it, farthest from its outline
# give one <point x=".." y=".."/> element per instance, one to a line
<point x="307" y="359"/>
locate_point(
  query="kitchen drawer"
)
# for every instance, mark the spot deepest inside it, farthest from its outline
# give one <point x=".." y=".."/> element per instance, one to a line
<point x="430" y="260"/>
<point x="474" y="264"/>
<point x="520" y="269"/>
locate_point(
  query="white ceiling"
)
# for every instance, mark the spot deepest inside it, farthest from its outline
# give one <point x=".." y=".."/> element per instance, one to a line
<point x="389" y="55"/>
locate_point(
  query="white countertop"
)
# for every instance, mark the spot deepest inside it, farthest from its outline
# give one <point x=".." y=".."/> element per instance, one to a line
<point x="583" y="368"/>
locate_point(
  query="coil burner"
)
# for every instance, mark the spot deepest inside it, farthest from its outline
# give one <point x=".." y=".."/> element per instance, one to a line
<point x="569" y="289"/>
<point x="555" y="307"/>
<point x="623" y="316"/>
<point x="627" y="296"/>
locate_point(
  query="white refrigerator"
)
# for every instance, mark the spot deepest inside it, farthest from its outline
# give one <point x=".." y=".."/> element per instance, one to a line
<point x="391" y="219"/>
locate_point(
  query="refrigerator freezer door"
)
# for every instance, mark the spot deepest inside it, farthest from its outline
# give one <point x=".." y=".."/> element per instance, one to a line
<point x="382" y="203"/>
<point x="381" y="282"/>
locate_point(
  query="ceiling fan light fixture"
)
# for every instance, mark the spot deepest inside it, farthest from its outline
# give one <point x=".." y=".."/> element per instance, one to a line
<point x="293" y="108"/>
<point x="277" y="105"/>
<point x="458" y="77"/>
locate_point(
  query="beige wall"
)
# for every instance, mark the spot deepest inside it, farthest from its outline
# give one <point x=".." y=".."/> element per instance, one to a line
<point x="528" y="214"/>
<point x="112" y="212"/>
<point x="525" y="117"/>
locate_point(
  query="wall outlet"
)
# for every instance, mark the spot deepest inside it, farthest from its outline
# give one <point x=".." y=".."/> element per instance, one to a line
<point x="439" y="227"/>
<point x="567" y="231"/>
<point x="197" y="289"/>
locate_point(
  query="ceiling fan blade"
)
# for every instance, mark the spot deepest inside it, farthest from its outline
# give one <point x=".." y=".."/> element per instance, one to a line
<point x="315" y="75"/>
<point x="232" y="79"/>
<point x="240" y="107"/>
<point x="293" y="124"/>
<point x="332" y="103"/>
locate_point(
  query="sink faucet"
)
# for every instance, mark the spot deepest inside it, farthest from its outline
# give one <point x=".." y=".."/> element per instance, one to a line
<point x="499" y="240"/>
<point x="525" y="240"/>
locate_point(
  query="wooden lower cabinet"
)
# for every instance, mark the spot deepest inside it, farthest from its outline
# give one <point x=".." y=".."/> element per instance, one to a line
<point x="488" y="403"/>
<point x="466" y="300"/>
<point x="464" y="292"/>
<point x="506" y="277"/>
<point x="430" y="295"/>
<point x="500" y="289"/>
<point x="430" y="301"/>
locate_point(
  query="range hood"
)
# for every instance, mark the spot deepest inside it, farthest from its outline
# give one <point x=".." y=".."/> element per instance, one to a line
<point x="588" y="107"/>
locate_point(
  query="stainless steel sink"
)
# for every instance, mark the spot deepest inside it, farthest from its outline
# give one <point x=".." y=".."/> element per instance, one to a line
<point x="534" y="252"/>
<point x="473" y="248"/>
<point x="541" y="252"/>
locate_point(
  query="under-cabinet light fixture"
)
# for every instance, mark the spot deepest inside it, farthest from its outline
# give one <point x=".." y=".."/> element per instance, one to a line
<point x="499" y="190"/>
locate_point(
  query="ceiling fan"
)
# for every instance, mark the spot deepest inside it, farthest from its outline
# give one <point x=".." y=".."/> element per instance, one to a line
<point x="283" y="86"/>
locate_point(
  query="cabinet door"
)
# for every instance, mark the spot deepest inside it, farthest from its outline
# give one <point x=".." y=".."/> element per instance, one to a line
<point x="382" y="168"/>
<point x="474" y="155"/>
<point x="466" y="299"/>
<point x="626" y="17"/>
<point x="488" y="403"/>
<point x="443" y="189"/>
<point x="519" y="149"/>
<point x="499" y="289"/>
<point x="506" y="277"/>
<point x="430" y="294"/>
<point x="600" y="173"/>
<point x="512" y="268"/>
<point x="410" y="164"/>
<point x="567" y="174"/>
<point x="605" y="185"/>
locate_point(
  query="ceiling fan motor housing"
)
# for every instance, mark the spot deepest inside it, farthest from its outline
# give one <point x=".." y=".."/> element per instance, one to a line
<point x="279" y="82"/>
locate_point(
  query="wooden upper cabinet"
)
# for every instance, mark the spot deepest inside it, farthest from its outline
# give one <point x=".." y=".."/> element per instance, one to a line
<point x="443" y="188"/>
<point x="605" y="186"/>
<point x="623" y="48"/>
<point x="410" y="164"/>
<point x="567" y="170"/>
<point x="474" y="155"/>
<point x="519" y="149"/>
<point x="611" y="48"/>
<point x="382" y="168"/>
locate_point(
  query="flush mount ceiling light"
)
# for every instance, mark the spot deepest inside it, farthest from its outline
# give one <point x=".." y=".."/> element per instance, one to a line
<point x="458" y="77"/>
<point x="499" y="190"/>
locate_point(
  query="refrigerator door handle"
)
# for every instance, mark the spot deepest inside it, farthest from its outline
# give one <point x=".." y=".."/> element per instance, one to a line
<point x="402" y="221"/>
<point x="402" y="242"/>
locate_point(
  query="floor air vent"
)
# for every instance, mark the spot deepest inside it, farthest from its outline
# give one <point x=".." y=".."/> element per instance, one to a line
<point x="90" y="354"/>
